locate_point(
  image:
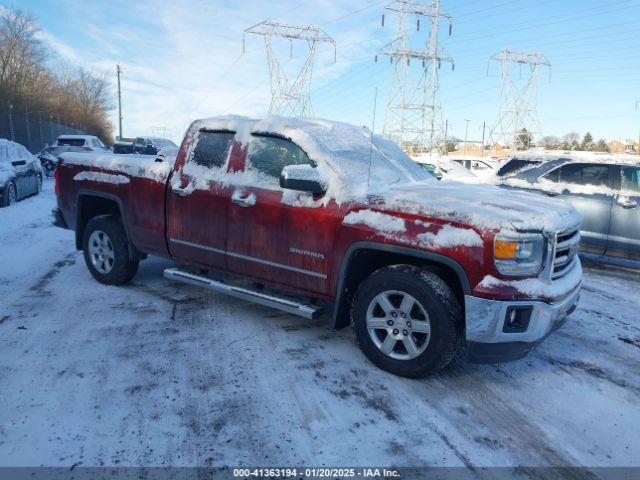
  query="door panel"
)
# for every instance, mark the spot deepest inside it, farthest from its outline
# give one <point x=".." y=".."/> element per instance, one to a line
<point x="198" y="202"/>
<point x="624" y="234"/>
<point x="588" y="188"/>
<point x="279" y="235"/>
<point x="290" y="244"/>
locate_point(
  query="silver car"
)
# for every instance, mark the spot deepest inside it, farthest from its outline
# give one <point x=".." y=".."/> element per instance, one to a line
<point x="606" y="191"/>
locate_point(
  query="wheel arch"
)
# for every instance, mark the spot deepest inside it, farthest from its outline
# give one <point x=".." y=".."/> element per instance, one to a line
<point x="364" y="258"/>
<point x="90" y="204"/>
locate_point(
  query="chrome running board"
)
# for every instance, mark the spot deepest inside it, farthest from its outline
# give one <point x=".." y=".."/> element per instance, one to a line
<point x="272" y="301"/>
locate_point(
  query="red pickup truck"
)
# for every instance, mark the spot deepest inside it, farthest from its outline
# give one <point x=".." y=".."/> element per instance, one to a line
<point x="308" y="216"/>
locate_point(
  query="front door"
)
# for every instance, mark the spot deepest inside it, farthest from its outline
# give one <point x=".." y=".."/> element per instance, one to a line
<point x="278" y="235"/>
<point x="198" y="201"/>
<point x="624" y="233"/>
<point x="587" y="186"/>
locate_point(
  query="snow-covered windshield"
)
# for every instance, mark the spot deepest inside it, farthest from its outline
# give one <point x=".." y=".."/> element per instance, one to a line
<point x="359" y="157"/>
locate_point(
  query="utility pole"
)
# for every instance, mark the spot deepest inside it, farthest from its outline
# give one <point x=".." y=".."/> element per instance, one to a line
<point x="118" y="72"/>
<point x="484" y="126"/>
<point x="446" y="144"/>
<point x="519" y="100"/>
<point x="466" y="131"/>
<point x="290" y="97"/>
<point x="414" y="114"/>
<point x="638" y="151"/>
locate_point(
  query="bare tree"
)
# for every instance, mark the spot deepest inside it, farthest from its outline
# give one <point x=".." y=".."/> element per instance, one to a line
<point x="75" y="95"/>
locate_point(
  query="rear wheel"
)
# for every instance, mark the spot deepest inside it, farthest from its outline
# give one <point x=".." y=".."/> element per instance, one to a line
<point x="407" y="321"/>
<point x="106" y="251"/>
<point x="10" y="195"/>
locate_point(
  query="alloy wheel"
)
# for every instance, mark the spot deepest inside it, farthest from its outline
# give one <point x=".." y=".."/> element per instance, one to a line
<point x="398" y="325"/>
<point x="101" y="252"/>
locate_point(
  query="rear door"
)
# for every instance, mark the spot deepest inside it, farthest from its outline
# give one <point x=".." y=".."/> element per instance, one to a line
<point x="624" y="233"/>
<point x="20" y="161"/>
<point x="198" y="201"/>
<point x="281" y="236"/>
<point x="588" y="187"/>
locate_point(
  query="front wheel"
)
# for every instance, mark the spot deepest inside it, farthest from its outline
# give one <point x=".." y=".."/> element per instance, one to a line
<point x="106" y="251"/>
<point x="407" y="321"/>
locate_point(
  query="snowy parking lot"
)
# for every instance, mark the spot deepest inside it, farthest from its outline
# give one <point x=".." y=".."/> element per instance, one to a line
<point x="157" y="373"/>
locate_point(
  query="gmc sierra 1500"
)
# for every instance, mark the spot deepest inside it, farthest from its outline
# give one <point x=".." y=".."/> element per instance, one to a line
<point x="311" y="214"/>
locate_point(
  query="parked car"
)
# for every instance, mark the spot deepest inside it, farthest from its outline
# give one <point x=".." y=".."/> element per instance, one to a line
<point x="604" y="189"/>
<point x="481" y="167"/>
<point x="151" y="145"/>
<point x="48" y="156"/>
<point x="21" y="174"/>
<point x="443" y="168"/>
<point x="89" y="141"/>
<point x="326" y="217"/>
<point x="123" y="147"/>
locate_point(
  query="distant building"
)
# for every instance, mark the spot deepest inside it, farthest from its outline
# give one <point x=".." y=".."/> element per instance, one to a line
<point x="629" y="147"/>
<point x="475" y="149"/>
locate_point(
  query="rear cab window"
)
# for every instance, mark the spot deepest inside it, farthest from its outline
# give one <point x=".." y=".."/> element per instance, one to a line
<point x="211" y="149"/>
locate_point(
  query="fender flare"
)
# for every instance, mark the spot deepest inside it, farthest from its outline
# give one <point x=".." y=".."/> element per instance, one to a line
<point x="134" y="253"/>
<point x="340" y="310"/>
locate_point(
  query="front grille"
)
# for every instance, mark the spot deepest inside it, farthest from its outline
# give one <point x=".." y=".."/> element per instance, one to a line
<point x="565" y="252"/>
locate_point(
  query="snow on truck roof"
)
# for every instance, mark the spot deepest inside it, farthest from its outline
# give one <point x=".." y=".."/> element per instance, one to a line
<point x="350" y="152"/>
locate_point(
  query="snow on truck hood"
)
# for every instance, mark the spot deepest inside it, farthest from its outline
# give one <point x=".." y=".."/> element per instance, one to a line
<point x="483" y="206"/>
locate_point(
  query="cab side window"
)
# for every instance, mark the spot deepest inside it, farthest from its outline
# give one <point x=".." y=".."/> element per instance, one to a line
<point x="581" y="174"/>
<point x="212" y="149"/>
<point x="630" y="179"/>
<point x="269" y="155"/>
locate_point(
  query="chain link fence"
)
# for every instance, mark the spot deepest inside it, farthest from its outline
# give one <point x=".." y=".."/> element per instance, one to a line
<point x="34" y="130"/>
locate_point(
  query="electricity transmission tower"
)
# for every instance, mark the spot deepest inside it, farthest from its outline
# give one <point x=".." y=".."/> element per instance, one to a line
<point x="291" y="97"/>
<point x="414" y="114"/>
<point x="518" y="117"/>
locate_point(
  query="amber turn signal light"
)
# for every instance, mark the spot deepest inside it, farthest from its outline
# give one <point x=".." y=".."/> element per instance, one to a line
<point x="504" y="249"/>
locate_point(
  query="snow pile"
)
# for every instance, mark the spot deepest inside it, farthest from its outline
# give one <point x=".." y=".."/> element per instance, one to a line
<point x="101" y="177"/>
<point x="141" y="166"/>
<point x="379" y="221"/>
<point x="449" y="236"/>
<point x="536" y="288"/>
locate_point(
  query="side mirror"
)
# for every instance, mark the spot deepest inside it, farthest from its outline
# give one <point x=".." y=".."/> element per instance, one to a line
<point x="303" y="178"/>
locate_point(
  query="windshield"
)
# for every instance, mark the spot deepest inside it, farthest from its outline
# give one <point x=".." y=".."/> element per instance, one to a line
<point x="76" y="142"/>
<point x="163" y="142"/>
<point x="364" y="158"/>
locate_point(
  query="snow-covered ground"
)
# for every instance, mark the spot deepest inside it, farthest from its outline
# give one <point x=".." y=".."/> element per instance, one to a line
<point x="157" y="373"/>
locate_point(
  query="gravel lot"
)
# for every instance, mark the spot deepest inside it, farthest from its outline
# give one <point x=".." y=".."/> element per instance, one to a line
<point x="157" y="373"/>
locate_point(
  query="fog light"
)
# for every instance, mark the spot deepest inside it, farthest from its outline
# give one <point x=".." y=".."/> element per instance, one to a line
<point x="517" y="319"/>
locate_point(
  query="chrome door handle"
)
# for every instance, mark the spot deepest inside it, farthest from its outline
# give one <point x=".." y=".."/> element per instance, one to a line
<point x="626" y="202"/>
<point x="179" y="191"/>
<point x="239" y="198"/>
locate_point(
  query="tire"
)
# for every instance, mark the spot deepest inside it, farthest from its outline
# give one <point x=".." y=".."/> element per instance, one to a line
<point x="10" y="195"/>
<point x="106" y="251"/>
<point x="426" y="329"/>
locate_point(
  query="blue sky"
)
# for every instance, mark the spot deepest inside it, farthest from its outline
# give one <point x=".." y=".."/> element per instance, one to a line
<point x="182" y="59"/>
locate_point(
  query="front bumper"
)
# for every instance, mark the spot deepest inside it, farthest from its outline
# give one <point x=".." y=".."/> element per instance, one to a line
<point x="489" y="338"/>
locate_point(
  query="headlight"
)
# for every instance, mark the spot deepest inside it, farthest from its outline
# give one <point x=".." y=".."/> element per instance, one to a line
<point x="518" y="254"/>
